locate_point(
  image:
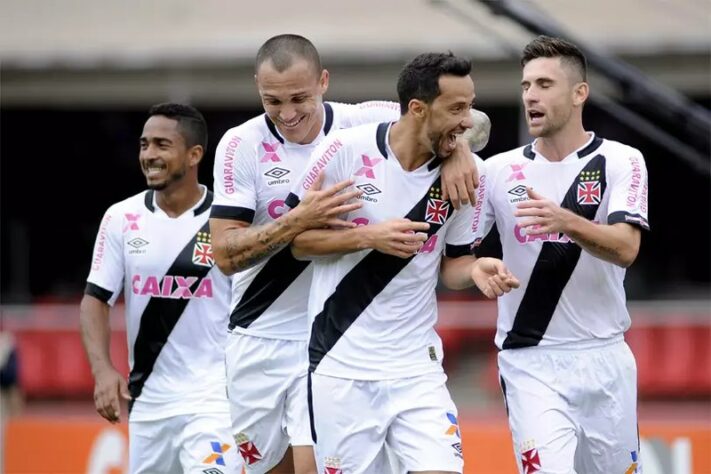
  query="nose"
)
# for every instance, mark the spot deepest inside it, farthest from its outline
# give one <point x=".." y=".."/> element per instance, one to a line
<point x="468" y="120"/>
<point x="287" y="113"/>
<point x="530" y="96"/>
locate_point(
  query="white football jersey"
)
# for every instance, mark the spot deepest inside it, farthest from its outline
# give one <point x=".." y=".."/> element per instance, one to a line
<point x="177" y="304"/>
<point x="372" y="315"/>
<point x="255" y="168"/>
<point x="566" y="294"/>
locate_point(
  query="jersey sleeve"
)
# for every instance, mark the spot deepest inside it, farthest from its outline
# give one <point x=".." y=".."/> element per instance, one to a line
<point x="483" y="217"/>
<point x="234" y="178"/>
<point x="106" y="276"/>
<point x="329" y="157"/>
<point x="460" y="235"/>
<point x="374" y="111"/>
<point x="629" y="190"/>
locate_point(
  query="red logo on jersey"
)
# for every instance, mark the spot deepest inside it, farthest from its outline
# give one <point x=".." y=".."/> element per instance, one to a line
<point x="131" y="221"/>
<point x="368" y="164"/>
<point x="517" y="172"/>
<point x="270" y="153"/>
<point x="202" y="254"/>
<point x="589" y="192"/>
<point x="530" y="461"/>
<point x="437" y="211"/>
<point x="249" y="452"/>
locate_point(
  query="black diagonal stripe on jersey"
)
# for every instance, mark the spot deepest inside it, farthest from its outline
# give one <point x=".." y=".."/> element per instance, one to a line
<point x="359" y="287"/>
<point x="551" y="272"/>
<point x="160" y="317"/>
<point x="271" y="281"/>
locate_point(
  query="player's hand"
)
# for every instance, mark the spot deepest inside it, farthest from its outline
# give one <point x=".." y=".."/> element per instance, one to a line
<point x="541" y="215"/>
<point x="109" y="388"/>
<point x="398" y="237"/>
<point x="492" y="277"/>
<point x="460" y="176"/>
<point x="322" y="208"/>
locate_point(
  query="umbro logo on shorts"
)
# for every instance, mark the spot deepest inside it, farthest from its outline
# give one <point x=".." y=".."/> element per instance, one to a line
<point x="212" y="470"/>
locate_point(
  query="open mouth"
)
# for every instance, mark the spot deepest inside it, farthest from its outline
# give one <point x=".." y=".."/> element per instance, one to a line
<point x="450" y="142"/>
<point x="534" y="116"/>
<point x="154" y="169"/>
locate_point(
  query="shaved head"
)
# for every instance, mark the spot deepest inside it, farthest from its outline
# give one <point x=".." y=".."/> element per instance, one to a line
<point x="283" y="50"/>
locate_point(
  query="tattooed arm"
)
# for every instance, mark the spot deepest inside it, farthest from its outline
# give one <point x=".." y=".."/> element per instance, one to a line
<point x="238" y="246"/>
<point x="617" y="243"/>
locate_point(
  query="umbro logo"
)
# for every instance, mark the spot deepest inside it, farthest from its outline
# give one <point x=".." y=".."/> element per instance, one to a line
<point x="277" y="174"/>
<point x="518" y="191"/>
<point x="368" y="189"/>
<point x="137" y="243"/>
<point x="212" y="470"/>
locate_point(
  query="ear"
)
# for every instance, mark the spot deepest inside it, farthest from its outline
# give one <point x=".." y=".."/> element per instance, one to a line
<point x="323" y="81"/>
<point x="417" y="108"/>
<point x="195" y="155"/>
<point x="581" y="91"/>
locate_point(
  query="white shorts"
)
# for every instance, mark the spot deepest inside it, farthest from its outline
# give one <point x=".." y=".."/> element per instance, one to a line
<point x="266" y="386"/>
<point x="572" y="410"/>
<point x="357" y="422"/>
<point x="192" y="444"/>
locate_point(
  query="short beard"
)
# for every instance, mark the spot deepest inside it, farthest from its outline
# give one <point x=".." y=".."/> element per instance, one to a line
<point x="173" y="178"/>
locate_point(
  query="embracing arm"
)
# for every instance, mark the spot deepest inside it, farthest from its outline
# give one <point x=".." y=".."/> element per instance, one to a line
<point x="399" y="237"/>
<point x="238" y="246"/>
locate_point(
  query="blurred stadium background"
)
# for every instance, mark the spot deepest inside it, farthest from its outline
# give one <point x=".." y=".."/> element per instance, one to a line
<point x="77" y="77"/>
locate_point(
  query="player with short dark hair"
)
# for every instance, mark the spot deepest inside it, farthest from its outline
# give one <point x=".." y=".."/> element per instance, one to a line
<point x="156" y="246"/>
<point x="376" y="376"/>
<point x="569" y="208"/>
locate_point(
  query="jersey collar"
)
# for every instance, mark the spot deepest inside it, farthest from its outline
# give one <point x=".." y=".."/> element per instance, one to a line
<point x="589" y="147"/>
<point x="381" y="139"/>
<point x="202" y="205"/>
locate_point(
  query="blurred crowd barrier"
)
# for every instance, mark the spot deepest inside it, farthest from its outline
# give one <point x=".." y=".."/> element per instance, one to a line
<point x="671" y="342"/>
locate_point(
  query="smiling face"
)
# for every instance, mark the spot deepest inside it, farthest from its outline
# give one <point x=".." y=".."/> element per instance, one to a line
<point x="552" y="93"/>
<point x="293" y="98"/>
<point x="164" y="156"/>
<point x="448" y="115"/>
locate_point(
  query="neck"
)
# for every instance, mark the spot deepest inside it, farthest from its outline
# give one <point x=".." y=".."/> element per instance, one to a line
<point x="564" y="142"/>
<point x="411" y="149"/>
<point x="175" y="201"/>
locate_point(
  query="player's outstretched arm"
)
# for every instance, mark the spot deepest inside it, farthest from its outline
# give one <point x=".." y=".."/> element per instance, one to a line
<point x="490" y="275"/>
<point x="238" y="246"/>
<point x="109" y="385"/>
<point x="617" y="243"/>
<point x="398" y="237"/>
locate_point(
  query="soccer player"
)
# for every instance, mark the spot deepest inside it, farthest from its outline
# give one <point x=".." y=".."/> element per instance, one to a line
<point x="256" y="164"/>
<point x="157" y="246"/>
<point x="569" y="208"/>
<point x="376" y="374"/>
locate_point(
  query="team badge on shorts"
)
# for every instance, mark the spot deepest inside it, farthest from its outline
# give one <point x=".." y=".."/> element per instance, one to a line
<point x="202" y="252"/>
<point x="247" y="449"/>
<point x="530" y="461"/>
<point x="589" y="188"/>
<point x="332" y="465"/>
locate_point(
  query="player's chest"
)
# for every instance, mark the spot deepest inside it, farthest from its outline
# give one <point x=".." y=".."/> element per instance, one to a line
<point x="387" y="192"/>
<point x="573" y="184"/>
<point x="152" y="246"/>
